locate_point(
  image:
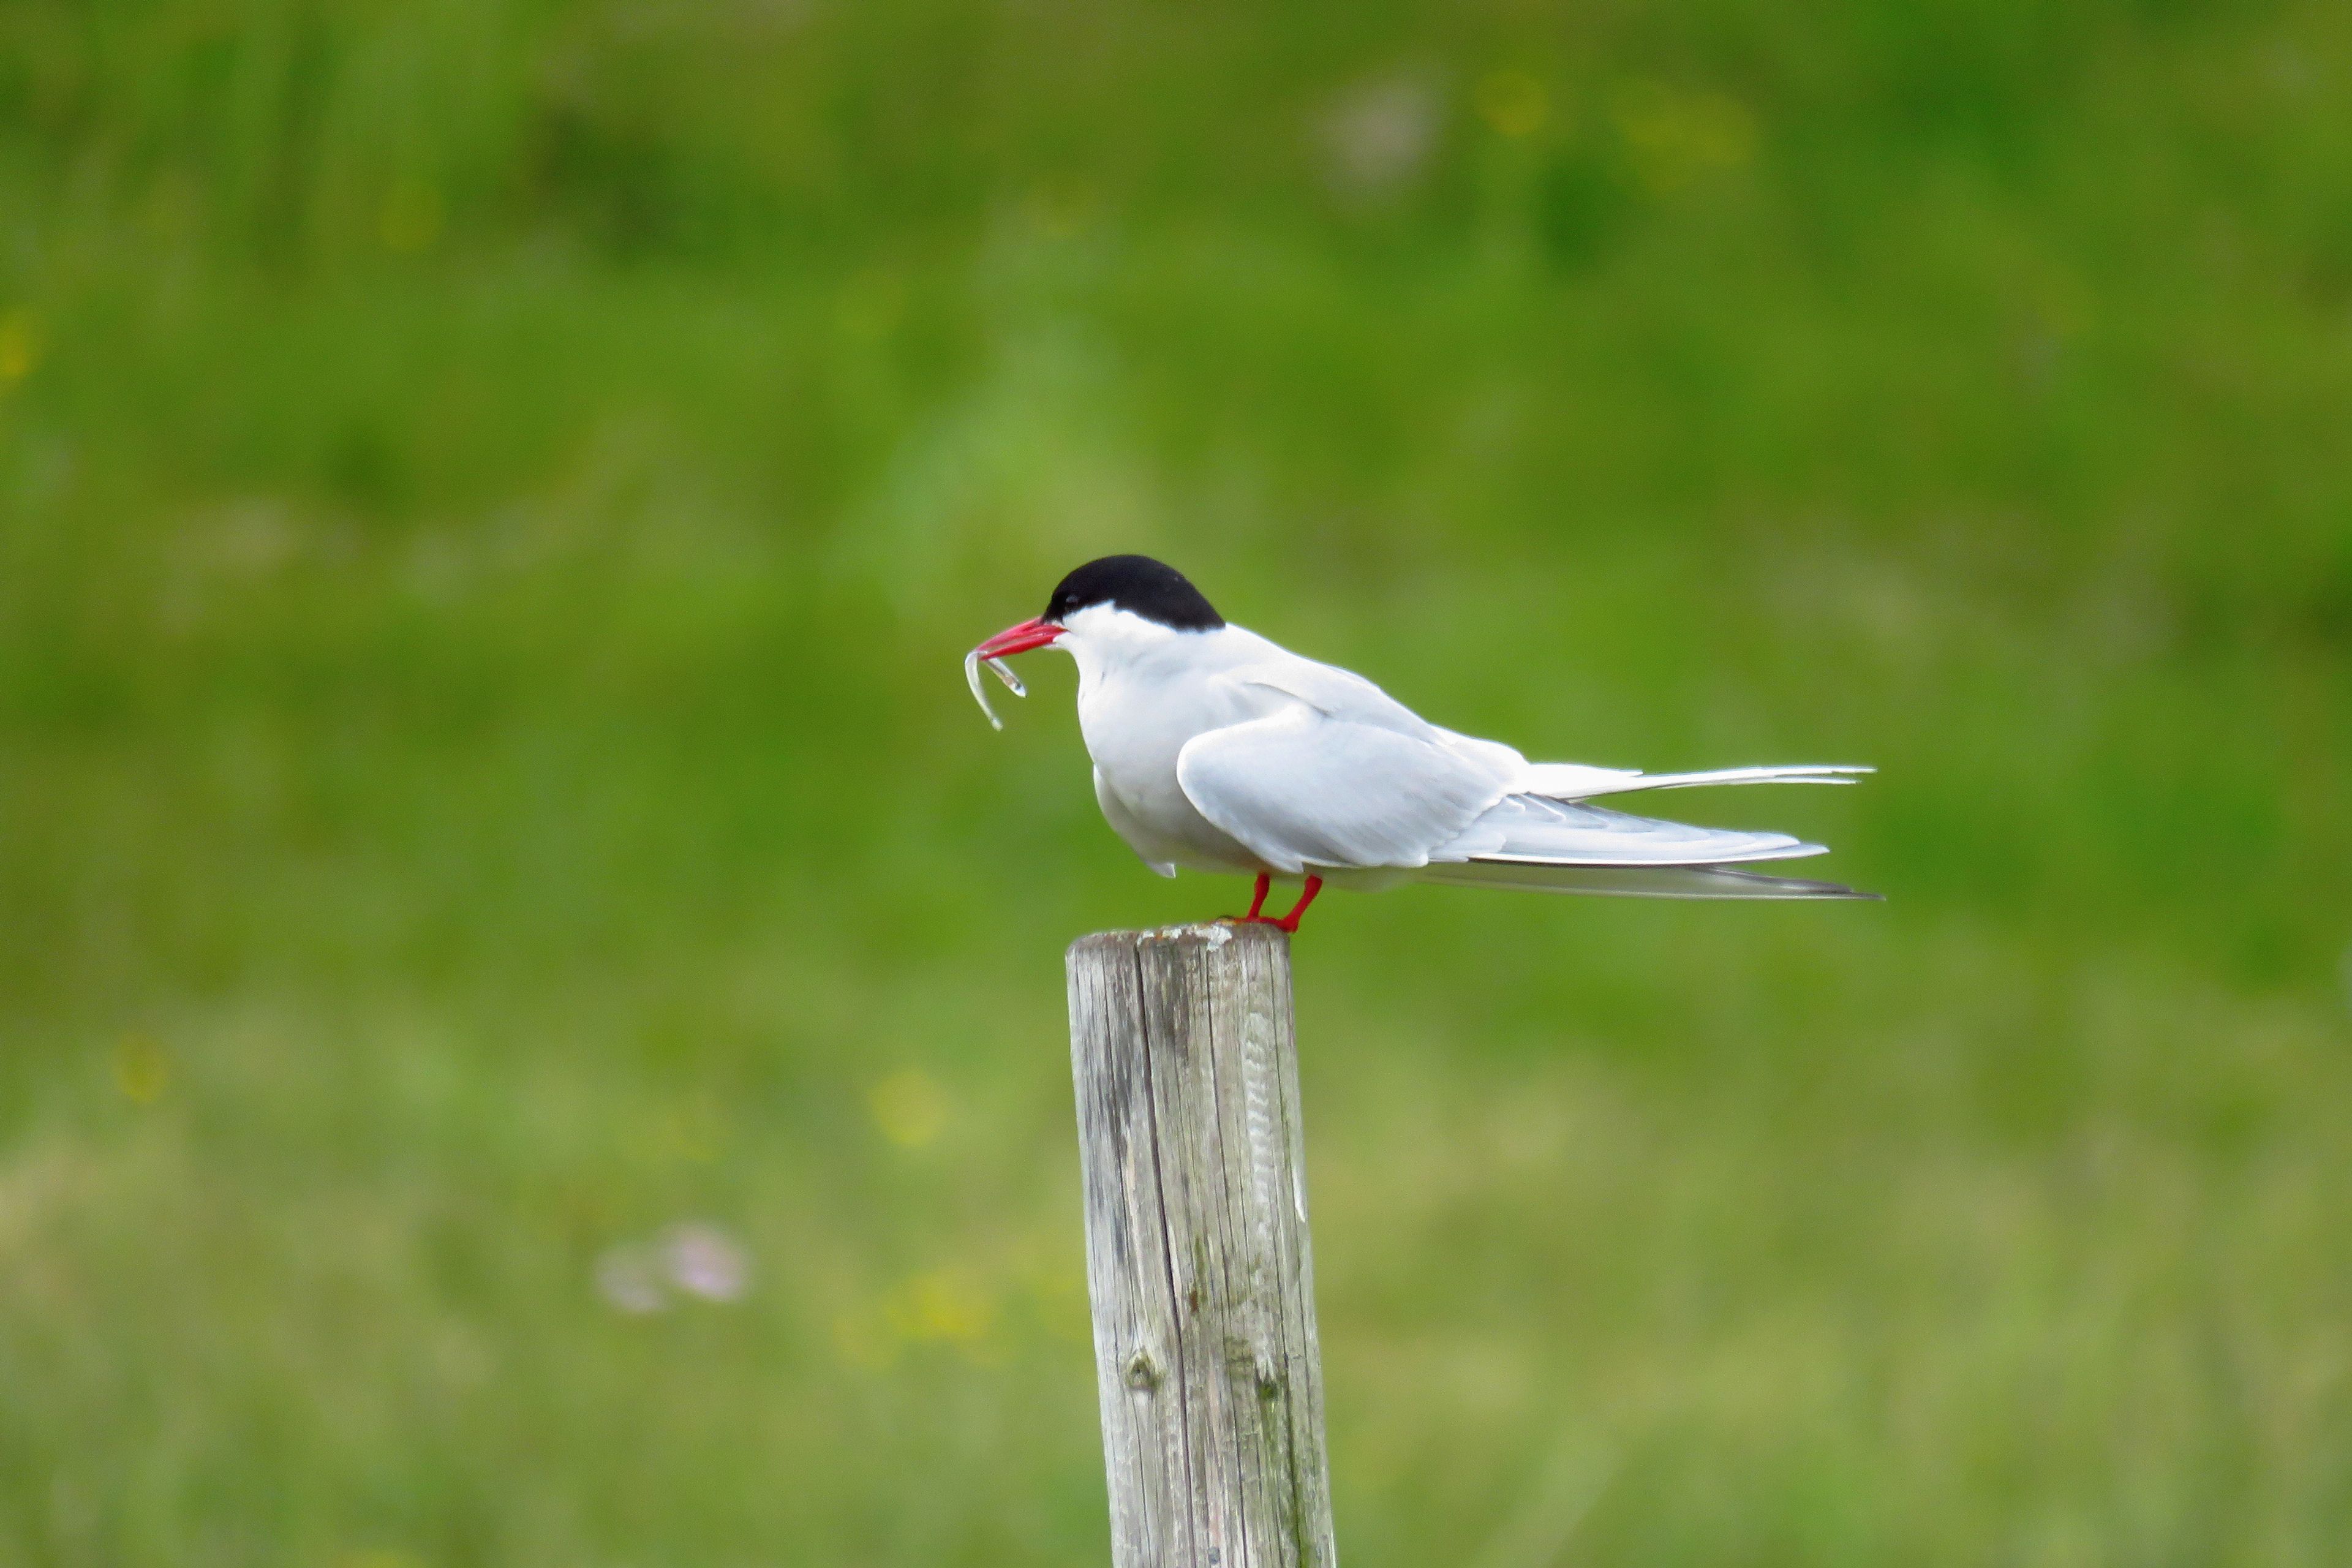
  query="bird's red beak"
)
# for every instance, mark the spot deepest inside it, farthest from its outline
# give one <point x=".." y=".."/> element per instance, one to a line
<point x="1019" y="639"/>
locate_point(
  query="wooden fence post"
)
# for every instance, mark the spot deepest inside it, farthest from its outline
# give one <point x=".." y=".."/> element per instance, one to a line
<point x="1197" y="1257"/>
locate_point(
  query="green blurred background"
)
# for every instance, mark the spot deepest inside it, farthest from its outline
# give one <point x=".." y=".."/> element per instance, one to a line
<point x="531" y="1004"/>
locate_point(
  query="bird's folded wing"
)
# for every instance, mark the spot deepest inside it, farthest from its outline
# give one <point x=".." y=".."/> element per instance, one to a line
<point x="1301" y="788"/>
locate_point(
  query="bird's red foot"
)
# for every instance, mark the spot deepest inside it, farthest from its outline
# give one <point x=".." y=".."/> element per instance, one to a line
<point x="1289" y="922"/>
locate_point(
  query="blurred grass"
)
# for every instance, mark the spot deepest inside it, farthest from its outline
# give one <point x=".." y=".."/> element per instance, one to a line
<point x="490" y="501"/>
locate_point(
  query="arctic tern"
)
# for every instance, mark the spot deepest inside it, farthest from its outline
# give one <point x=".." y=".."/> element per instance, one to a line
<point x="1216" y="749"/>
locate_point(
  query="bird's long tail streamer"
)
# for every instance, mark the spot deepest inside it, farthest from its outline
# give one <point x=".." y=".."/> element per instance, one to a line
<point x="1635" y="881"/>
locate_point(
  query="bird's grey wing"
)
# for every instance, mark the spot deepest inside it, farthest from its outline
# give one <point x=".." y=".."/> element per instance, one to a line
<point x="1301" y="788"/>
<point x="1370" y="784"/>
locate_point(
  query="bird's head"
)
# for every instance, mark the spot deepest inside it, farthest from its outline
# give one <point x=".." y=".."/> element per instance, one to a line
<point x="1108" y="610"/>
<point x="1119" y="598"/>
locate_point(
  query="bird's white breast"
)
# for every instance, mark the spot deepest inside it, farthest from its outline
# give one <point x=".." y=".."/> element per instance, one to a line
<point x="1144" y="691"/>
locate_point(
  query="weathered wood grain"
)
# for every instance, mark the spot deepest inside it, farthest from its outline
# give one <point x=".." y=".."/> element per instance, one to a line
<point x="1197" y="1256"/>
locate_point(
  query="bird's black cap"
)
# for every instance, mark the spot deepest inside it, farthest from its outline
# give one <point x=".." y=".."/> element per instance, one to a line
<point x="1139" y="585"/>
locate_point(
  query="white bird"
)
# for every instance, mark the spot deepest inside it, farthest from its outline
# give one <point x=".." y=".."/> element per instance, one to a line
<point x="1217" y="749"/>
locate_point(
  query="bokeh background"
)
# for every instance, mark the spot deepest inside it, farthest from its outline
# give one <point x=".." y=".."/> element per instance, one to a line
<point x="531" y="1004"/>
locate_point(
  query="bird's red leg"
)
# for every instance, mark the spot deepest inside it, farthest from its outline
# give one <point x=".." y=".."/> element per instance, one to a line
<point x="1289" y="922"/>
<point x="1257" y="900"/>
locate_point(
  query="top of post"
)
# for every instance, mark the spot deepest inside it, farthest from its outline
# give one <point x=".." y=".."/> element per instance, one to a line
<point x="1209" y="935"/>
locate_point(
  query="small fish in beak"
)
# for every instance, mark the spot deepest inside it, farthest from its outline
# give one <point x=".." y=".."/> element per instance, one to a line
<point x="971" y="663"/>
<point x="995" y="650"/>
